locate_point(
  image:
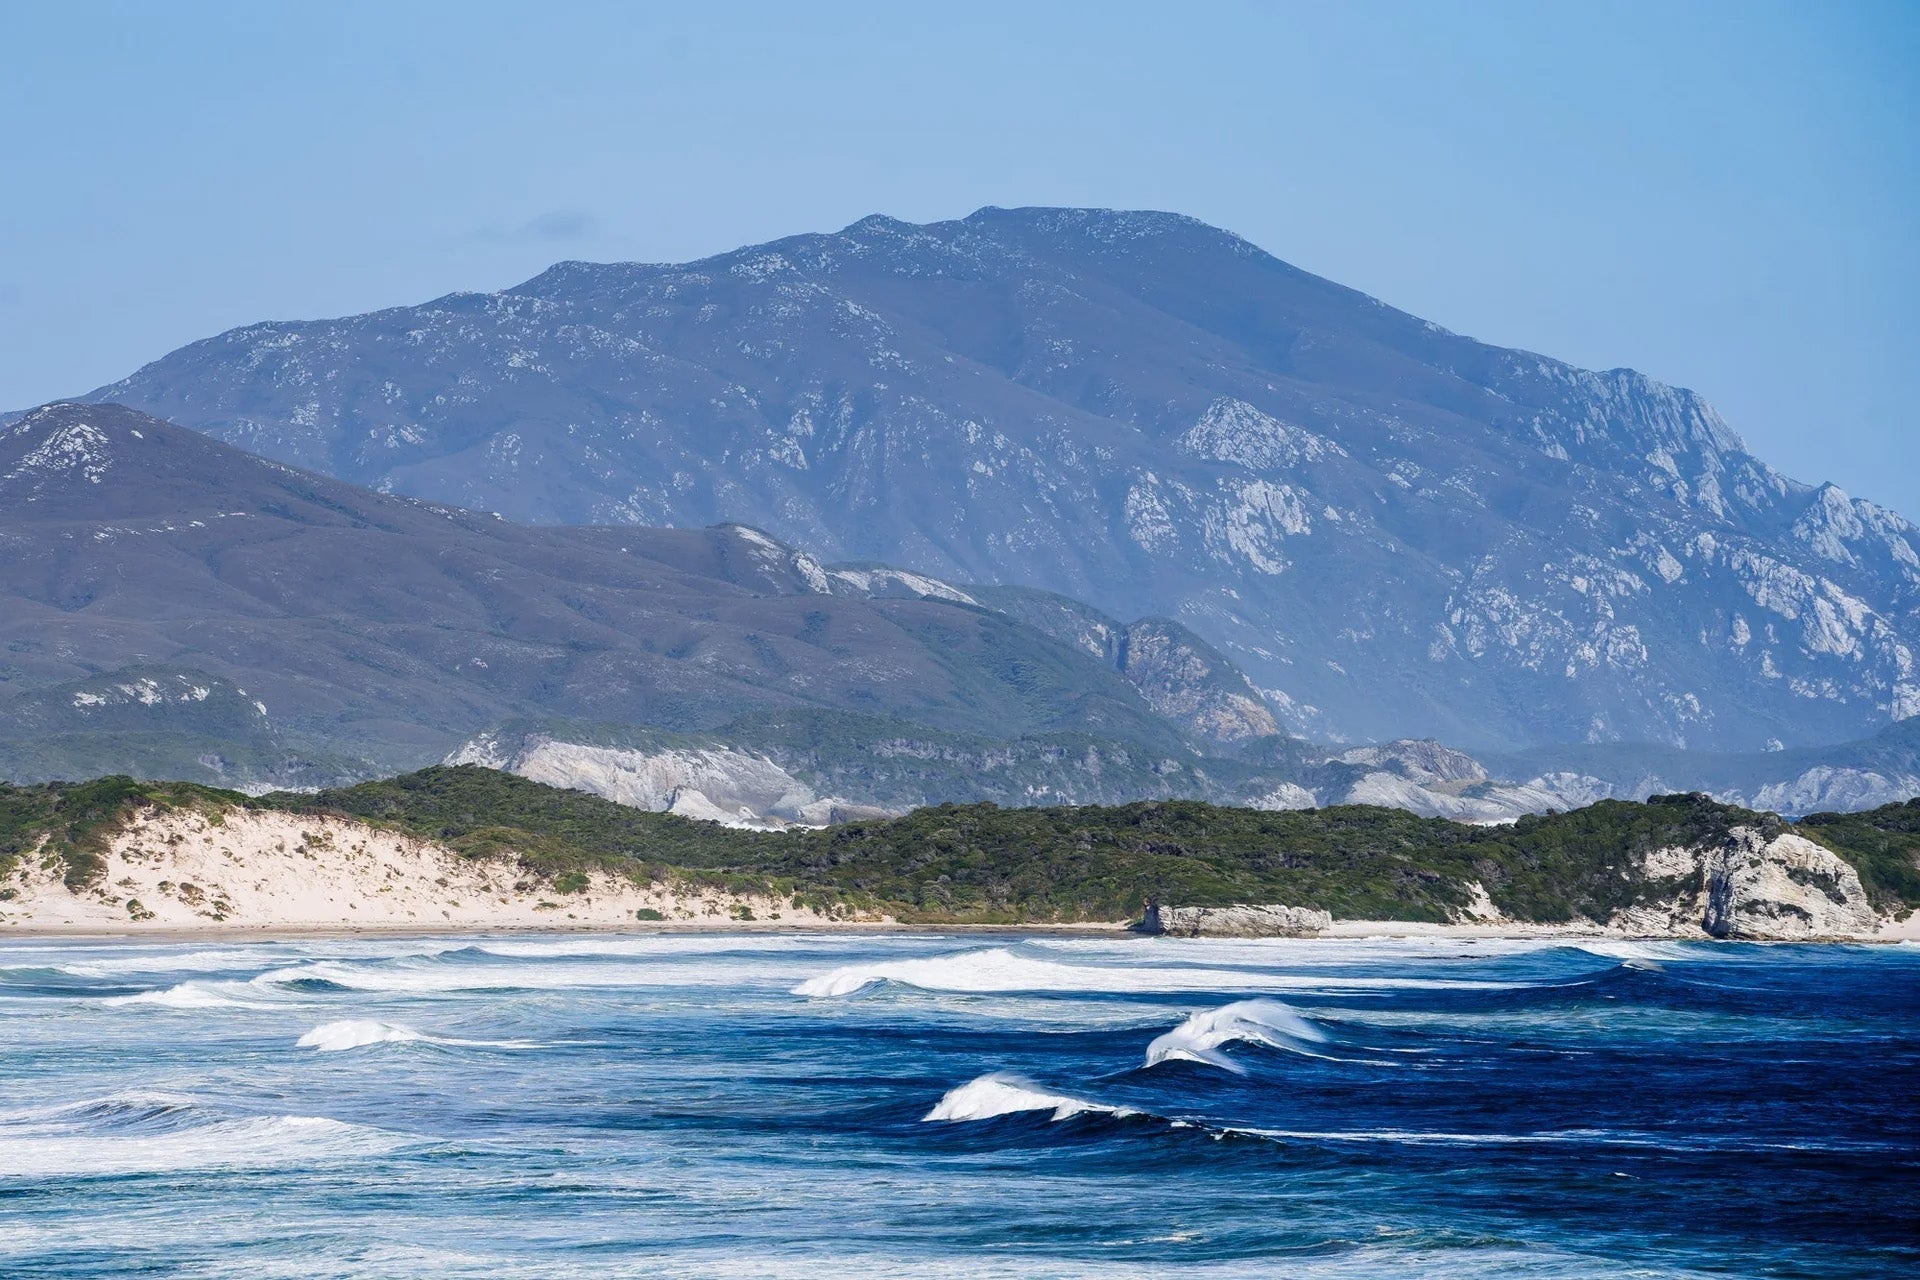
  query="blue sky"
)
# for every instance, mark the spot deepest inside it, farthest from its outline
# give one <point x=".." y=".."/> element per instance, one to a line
<point x="1725" y="195"/>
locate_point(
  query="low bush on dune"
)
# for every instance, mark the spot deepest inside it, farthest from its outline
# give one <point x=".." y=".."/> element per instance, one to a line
<point x="986" y="864"/>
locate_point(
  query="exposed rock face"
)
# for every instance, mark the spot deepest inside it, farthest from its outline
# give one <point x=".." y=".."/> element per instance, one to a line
<point x="1236" y="921"/>
<point x="1181" y="676"/>
<point x="1754" y="887"/>
<point x="1420" y="760"/>
<point x="1184" y="680"/>
<point x="732" y="788"/>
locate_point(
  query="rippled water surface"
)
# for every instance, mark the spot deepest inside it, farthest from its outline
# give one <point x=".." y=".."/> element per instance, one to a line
<point x="753" y="1105"/>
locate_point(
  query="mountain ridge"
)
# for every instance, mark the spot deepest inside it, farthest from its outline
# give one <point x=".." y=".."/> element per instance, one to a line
<point x="1396" y="530"/>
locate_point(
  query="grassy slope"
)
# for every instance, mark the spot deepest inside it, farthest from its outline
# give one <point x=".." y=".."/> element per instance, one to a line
<point x="988" y="864"/>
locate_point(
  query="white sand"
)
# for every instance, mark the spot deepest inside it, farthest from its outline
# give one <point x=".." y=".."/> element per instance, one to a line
<point x="176" y="870"/>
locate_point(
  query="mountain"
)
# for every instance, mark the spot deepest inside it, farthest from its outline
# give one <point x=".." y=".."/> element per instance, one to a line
<point x="1880" y="770"/>
<point x="176" y="606"/>
<point x="179" y="608"/>
<point x="1395" y="530"/>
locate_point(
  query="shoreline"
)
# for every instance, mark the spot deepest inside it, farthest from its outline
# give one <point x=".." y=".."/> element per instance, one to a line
<point x="1340" y="931"/>
<point x="178" y="875"/>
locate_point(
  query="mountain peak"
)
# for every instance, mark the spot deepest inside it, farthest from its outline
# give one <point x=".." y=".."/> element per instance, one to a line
<point x="65" y="445"/>
<point x="1108" y="225"/>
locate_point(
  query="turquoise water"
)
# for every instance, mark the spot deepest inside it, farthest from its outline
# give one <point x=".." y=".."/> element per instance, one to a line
<point x="755" y="1105"/>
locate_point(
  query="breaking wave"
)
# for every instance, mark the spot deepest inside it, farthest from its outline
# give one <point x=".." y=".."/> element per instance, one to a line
<point x="186" y="995"/>
<point x="358" y="1033"/>
<point x="335" y="1037"/>
<point x="1265" y="1022"/>
<point x="1003" y="1094"/>
<point x="1641" y="953"/>
<point x="1001" y="970"/>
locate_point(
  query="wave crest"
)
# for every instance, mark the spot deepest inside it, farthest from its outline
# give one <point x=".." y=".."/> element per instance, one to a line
<point x="1264" y="1022"/>
<point x="355" y="1033"/>
<point x="358" y="1033"/>
<point x="1001" y="970"/>
<point x="1001" y="1093"/>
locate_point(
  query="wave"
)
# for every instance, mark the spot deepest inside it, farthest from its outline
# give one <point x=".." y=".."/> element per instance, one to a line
<point x="163" y="962"/>
<point x="358" y="1033"/>
<point x="1264" y="1022"/>
<point x="1003" y="1094"/>
<point x="444" y="975"/>
<point x="131" y="1109"/>
<point x="333" y="1037"/>
<point x="999" y="1094"/>
<point x="146" y="1131"/>
<point x="1637" y="952"/>
<point x="184" y="995"/>
<point x="665" y="946"/>
<point x="1000" y="970"/>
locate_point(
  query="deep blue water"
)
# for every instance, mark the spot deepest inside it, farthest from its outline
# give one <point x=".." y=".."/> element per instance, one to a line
<point x="754" y="1105"/>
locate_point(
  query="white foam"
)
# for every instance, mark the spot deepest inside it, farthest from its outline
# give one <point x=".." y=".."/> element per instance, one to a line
<point x="1002" y="1094"/>
<point x="358" y="1033"/>
<point x="1267" y="1022"/>
<point x="665" y="946"/>
<point x="1632" y="951"/>
<point x="355" y="1033"/>
<point x="184" y="995"/>
<point x="165" y="962"/>
<point x="409" y="977"/>
<point x="1001" y="970"/>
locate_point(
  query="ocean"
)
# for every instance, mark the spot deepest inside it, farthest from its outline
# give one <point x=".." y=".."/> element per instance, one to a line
<point x="939" y="1105"/>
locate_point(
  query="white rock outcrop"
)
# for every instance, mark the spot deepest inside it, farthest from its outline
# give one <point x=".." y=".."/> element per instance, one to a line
<point x="709" y="784"/>
<point x="1244" y="921"/>
<point x="1753" y="887"/>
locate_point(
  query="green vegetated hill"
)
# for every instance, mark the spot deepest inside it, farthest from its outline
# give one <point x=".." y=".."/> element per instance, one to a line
<point x="1882" y="844"/>
<point x="983" y="863"/>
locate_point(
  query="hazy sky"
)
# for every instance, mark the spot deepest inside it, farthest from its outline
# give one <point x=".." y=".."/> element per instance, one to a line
<point x="1726" y="196"/>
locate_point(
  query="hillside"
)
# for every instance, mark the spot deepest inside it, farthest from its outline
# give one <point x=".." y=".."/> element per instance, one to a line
<point x="1674" y="867"/>
<point x="1396" y="530"/>
<point x="179" y="607"/>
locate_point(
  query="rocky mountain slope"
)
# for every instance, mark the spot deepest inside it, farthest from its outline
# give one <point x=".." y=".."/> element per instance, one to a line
<point x="177" y="606"/>
<point x="1396" y="530"/>
<point x="1849" y="776"/>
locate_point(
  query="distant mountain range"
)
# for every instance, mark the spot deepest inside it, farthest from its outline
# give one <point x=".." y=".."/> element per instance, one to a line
<point x="180" y="608"/>
<point x="1394" y="530"/>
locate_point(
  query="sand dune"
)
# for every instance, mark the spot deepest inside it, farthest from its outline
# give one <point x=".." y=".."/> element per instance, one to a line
<point x="178" y="869"/>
